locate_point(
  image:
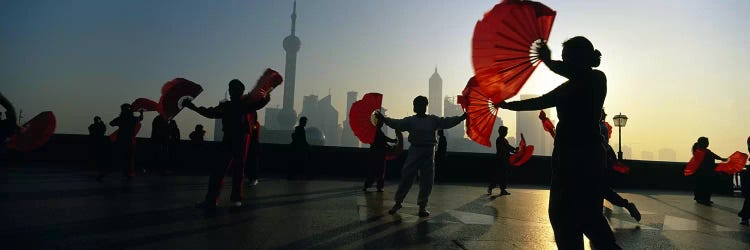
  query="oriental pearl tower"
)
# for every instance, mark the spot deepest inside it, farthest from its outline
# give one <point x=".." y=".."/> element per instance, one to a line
<point x="287" y="116"/>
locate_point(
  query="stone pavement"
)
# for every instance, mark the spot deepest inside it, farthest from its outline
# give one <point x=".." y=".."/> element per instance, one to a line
<point x="57" y="208"/>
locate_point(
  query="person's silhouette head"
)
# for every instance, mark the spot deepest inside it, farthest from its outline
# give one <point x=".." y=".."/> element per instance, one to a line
<point x="420" y="105"/>
<point x="580" y="52"/>
<point x="97" y="119"/>
<point x="236" y="88"/>
<point x="702" y="142"/>
<point x="502" y="131"/>
<point x="199" y="128"/>
<point x="303" y="121"/>
<point x="125" y="109"/>
<point x="441" y="133"/>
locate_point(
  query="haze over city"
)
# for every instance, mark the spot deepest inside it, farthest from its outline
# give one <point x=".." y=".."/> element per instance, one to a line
<point x="675" y="68"/>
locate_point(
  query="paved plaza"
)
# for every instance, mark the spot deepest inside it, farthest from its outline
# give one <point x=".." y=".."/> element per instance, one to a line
<point x="59" y="208"/>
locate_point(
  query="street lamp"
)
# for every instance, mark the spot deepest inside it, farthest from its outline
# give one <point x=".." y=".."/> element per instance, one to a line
<point x="620" y="121"/>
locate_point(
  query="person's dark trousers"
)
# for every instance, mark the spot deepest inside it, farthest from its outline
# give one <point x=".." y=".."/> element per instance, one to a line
<point x="614" y="198"/>
<point x="234" y="150"/>
<point x="576" y="196"/>
<point x="123" y="158"/>
<point x="499" y="175"/>
<point x="253" y="161"/>
<point x="745" y="181"/>
<point x="376" y="169"/>
<point x="703" y="180"/>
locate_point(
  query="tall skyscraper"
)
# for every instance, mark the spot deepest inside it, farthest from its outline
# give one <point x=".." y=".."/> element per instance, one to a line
<point x="288" y="117"/>
<point x="528" y="123"/>
<point x="435" y="94"/>
<point x="347" y="136"/>
<point x="322" y="116"/>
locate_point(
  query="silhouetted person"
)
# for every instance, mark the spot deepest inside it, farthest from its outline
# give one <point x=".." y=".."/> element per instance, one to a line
<point x="253" y="151"/>
<point x="234" y="124"/>
<point x="579" y="158"/>
<point x="499" y="173"/>
<point x="421" y="157"/>
<point x="99" y="143"/>
<point x="174" y="144"/>
<point x="8" y="126"/>
<point x="442" y="150"/>
<point x="300" y="149"/>
<point x="197" y="136"/>
<point x="160" y="143"/>
<point x="705" y="175"/>
<point x="124" y="146"/>
<point x="610" y="194"/>
<point x="745" y="181"/>
<point x="376" y="158"/>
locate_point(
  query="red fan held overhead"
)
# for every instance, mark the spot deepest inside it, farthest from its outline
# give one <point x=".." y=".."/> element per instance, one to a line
<point x="480" y="111"/>
<point x="505" y="43"/>
<point x="143" y="104"/>
<point x="266" y="83"/>
<point x="361" y="118"/>
<point x="735" y="164"/>
<point x="173" y="93"/>
<point x="523" y="154"/>
<point x="35" y="133"/>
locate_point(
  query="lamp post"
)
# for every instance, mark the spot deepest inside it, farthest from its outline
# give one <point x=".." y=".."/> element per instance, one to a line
<point x="620" y="121"/>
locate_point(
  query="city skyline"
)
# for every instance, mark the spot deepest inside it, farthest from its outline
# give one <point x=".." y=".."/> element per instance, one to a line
<point x="84" y="58"/>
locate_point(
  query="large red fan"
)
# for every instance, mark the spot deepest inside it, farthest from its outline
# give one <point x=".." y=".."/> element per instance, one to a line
<point x="481" y="113"/>
<point x="35" y="133"/>
<point x="360" y="116"/>
<point x="694" y="162"/>
<point x="505" y="43"/>
<point x="735" y="164"/>
<point x="266" y="83"/>
<point x="173" y="93"/>
<point x="523" y="154"/>
<point x="143" y="104"/>
<point x="547" y="124"/>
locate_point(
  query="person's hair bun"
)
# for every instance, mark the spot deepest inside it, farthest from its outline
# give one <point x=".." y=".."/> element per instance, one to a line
<point x="597" y="58"/>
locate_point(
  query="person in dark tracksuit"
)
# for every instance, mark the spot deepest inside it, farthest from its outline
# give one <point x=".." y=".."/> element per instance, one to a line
<point x="99" y="144"/>
<point x="235" y="126"/>
<point x="376" y="158"/>
<point x="300" y="149"/>
<point x="124" y="145"/>
<point x="160" y="143"/>
<point x="610" y="194"/>
<point x="705" y="175"/>
<point x="578" y="158"/>
<point x="499" y="173"/>
<point x="745" y="181"/>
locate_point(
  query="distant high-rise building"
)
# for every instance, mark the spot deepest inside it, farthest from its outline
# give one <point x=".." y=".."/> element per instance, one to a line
<point x="287" y="117"/>
<point x="435" y="94"/>
<point x="528" y="123"/>
<point x="627" y="151"/>
<point x="322" y="115"/>
<point x="347" y="136"/>
<point x="667" y="154"/>
<point x="271" y="120"/>
<point x="647" y="155"/>
<point x="451" y="108"/>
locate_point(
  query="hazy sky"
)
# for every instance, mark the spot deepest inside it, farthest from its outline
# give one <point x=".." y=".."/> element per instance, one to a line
<point x="676" y="68"/>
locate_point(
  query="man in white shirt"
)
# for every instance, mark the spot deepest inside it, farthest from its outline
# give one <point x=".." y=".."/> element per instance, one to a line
<point x="421" y="157"/>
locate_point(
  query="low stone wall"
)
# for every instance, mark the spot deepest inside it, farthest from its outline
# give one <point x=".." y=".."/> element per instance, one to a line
<point x="74" y="151"/>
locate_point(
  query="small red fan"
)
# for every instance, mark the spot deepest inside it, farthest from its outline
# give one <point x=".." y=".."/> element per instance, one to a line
<point x="621" y="168"/>
<point x="547" y="124"/>
<point x="735" y="164"/>
<point x="505" y="44"/>
<point x="480" y="111"/>
<point x="523" y="154"/>
<point x="173" y="93"/>
<point x="35" y="133"/>
<point x="361" y="116"/>
<point x="694" y="162"/>
<point x="143" y="104"/>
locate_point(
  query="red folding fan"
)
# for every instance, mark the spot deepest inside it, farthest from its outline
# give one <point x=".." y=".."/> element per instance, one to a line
<point x="143" y="104"/>
<point x="35" y="133"/>
<point x="173" y="93"/>
<point x="621" y="168"/>
<point x="505" y="43"/>
<point x="523" y="154"/>
<point x="262" y="90"/>
<point x="694" y="162"/>
<point x="361" y="116"/>
<point x="547" y="124"/>
<point x="735" y="164"/>
<point x="481" y="113"/>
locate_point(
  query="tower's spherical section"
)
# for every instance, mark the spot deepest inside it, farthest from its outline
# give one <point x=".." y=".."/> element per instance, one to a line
<point x="292" y="43"/>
